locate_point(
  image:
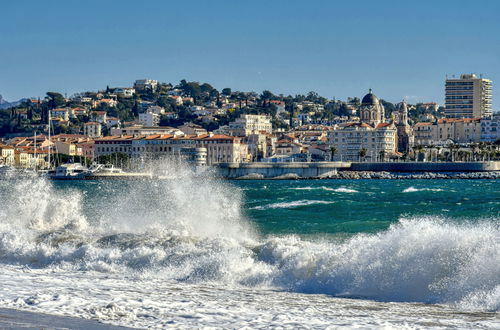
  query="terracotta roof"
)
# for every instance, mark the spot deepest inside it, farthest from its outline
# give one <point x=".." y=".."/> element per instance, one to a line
<point x="219" y="137"/>
<point x="458" y="120"/>
<point x="357" y="124"/>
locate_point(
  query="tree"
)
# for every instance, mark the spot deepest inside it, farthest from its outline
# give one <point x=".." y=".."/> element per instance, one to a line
<point x="55" y="100"/>
<point x="382" y="155"/>
<point x="332" y="152"/>
<point x="362" y="153"/>
<point x="226" y="91"/>
<point x="118" y="159"/>
<point x="266" y="95"/>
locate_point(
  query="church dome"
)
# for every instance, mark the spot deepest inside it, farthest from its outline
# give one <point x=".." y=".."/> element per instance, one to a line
<point x="370" y="99"/>
<point x="402" y="106"/>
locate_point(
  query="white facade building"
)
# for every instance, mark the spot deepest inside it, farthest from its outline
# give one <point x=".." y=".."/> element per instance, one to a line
<point x="145" y="84"/>
<point x="149" y="119"/>
<point x="250" y="124"/>
<point x="468" y="97"/>
<point x="490" y="128"/>
<point x="92" y="129"/>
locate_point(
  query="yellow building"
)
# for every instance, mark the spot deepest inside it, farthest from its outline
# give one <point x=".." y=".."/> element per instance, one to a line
<point x="7" y="155"/>
<point x="22" y="158"/>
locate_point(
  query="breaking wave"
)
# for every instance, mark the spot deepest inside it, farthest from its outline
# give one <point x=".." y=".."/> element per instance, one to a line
<point x="192" y="230"/>
<point x="413" y="189"/>
<point x="340" y="189"/>
<point x="289" y="205"/>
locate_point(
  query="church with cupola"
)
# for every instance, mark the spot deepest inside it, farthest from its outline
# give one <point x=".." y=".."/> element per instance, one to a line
<point x="371" y="110"/>
<point x="372" y="138"/>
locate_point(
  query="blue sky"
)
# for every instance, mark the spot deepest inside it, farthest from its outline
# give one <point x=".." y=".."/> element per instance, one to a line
<point x="400" y="49"/>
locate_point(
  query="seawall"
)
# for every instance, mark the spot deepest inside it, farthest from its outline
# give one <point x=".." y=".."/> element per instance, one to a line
<point x="280" y="170"/>
<point x="332" y="169"/>
<point x="427" y="167"/>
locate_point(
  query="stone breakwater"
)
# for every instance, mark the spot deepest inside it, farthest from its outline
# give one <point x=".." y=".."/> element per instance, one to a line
<point x="354" y="175"/>
<point x="360" y="175"/>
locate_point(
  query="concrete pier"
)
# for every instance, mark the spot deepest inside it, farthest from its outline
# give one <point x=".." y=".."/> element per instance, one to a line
<point x="409" y="167"/>
<point x="306" y="170"/>
<point x="280" y="170"/>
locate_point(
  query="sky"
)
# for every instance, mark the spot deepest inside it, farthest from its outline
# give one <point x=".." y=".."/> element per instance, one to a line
<point x="401" y="49"/>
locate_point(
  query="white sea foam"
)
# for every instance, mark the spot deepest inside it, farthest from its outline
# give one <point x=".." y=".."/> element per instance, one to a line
<point x="176" y="233"/>
<point x="340" y="189"/>
<point x="292" y="204"/>
<point x="413" y="189"/>
<point x="345" y="190"/>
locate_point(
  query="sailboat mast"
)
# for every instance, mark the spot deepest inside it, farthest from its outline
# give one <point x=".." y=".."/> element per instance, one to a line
<point x="50" y="163"/>
<point x="36" y="159"/>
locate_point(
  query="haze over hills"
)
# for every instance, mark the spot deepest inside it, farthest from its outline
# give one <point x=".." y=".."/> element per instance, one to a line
<point x="4" y="104"/>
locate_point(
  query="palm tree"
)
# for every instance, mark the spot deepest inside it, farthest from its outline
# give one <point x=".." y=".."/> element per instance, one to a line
<point x="418" y="148"/>
<point x="332" y="152"/>
<point x="431" y="149"/>
<point x="362" y="153"/>
<point x="382" y="155"/>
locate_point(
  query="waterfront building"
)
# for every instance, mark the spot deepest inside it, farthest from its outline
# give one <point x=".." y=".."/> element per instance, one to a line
<point x="424" y="133"/>
<point x="468" y="97"/>
<point x="490" y="128"/>
<point x="361" y="141"/>
<point x="219" y="148"/>
<point x="371" y="138"/>
<point x="65" y="147"/>
<point x="21" y="158"/>
<point x="7" y="155"/>
<point x="448" y="130"/>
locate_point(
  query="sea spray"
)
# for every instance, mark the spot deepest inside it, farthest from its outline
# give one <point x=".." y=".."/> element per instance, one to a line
<point x="193" y="230"/>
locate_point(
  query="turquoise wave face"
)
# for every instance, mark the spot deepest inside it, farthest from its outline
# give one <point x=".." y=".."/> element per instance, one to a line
<point x="347" y="207"/>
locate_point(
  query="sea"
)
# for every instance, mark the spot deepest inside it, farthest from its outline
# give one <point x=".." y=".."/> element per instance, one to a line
<point x="190" y="250"/>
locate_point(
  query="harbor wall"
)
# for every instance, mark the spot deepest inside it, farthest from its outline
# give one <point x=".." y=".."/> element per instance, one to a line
<point x="427" y="166"/>
<point x="280" y="170"/>
<point x="329" y="169"/>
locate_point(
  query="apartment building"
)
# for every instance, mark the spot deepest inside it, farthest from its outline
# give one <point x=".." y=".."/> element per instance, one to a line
<point x="446" y="130"/>
<point x="468" y="97"/>
<point x="249" y="124"/>
<point x="353" y="140"/>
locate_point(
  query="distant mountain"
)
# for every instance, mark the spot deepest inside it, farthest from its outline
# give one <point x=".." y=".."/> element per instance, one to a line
<point x="4" y="104"/>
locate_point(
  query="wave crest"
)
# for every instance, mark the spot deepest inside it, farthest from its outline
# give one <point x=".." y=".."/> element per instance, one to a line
<point x="193" y="231"/>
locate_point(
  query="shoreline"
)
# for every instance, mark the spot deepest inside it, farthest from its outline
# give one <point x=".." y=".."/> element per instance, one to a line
<point x="11" y="318"/>
<point x="382" y="175"/>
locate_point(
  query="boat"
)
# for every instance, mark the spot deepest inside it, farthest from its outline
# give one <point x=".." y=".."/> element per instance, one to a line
<point x="70" y="171"/>
<point x="109" y="171"/>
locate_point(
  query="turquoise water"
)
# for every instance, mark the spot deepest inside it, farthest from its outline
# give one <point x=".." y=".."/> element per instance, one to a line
<point x="325" y="207"/>
<point x="353" y="206"/>
<point x="404" y="242"/>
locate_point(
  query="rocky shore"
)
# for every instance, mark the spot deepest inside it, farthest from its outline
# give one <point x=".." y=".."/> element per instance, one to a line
<point x="357" y="175"/>
<point x="353" y="175"/>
